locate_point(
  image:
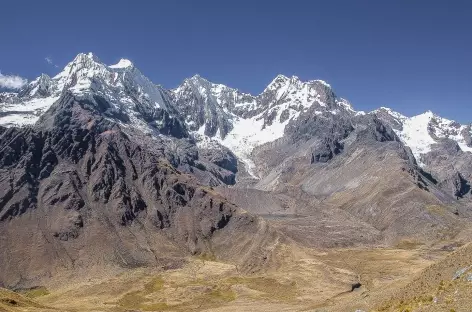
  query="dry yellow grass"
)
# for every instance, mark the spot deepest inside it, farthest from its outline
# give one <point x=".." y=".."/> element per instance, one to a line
<point x="36" y="292"/>
<point x="444" y="286"/>
<point x="301" y="280"/>
<point x="12" y="301"/>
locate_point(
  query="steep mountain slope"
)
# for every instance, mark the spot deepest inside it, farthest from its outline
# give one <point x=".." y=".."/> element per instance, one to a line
<point x="132" y="97"/>
<point x="301" y="141"/>
<point x="79" y="194"/>
<point x="124" y="96"/>
<point x="422" y="131"/>
<point x="442" y="147"/>
<point x="219" y="115"/>
<point x="443" y="286"/>
<point x="360" y="166"/>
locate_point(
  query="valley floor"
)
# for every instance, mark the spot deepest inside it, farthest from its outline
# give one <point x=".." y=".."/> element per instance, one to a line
<point x="301" y="280"/>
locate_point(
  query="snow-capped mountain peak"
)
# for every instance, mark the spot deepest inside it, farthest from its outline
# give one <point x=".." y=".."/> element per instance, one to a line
<point x="80" y="62"/>
<point x="200" y="84"/>
<point x="197" y="77"/>
<point x="420" y="132"/>
<point x="213" y="112"/>
<point x="279" y="82"/>
<point x="122" y="85"/>
<point x="40" y="87"/>
<point x="123" y="63"/>
<point x="220" y="115"/>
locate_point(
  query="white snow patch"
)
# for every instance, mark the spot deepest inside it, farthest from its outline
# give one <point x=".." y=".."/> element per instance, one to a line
<point x="446" y="128"/>
<point x="415" y="135"/>
<point x="123" y="63"/>
<point x="392" y="113"/>
<point x="323" y="83"/>
<point x="416" y="132"/>
<point x="346" y="105"/>
<point x="25" y="113"/>
<point x="246" y="135"/>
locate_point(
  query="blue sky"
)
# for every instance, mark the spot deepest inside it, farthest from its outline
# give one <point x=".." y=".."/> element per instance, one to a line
<point x="408" y="55"/>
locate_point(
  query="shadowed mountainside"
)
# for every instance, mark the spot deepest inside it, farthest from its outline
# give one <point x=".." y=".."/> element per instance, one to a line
<point x="81" y="194"/>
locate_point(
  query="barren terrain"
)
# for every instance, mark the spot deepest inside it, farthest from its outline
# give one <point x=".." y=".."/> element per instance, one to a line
<point x="301" y="279"/>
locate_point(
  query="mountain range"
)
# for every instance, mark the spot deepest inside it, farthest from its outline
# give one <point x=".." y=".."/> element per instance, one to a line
<point x="102" y="168"/>
<point x="214" y="113"/>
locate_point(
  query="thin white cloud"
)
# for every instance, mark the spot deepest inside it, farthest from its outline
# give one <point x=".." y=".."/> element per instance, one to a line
<point x="12" y="81"/>
<point x="50" y="61"/>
